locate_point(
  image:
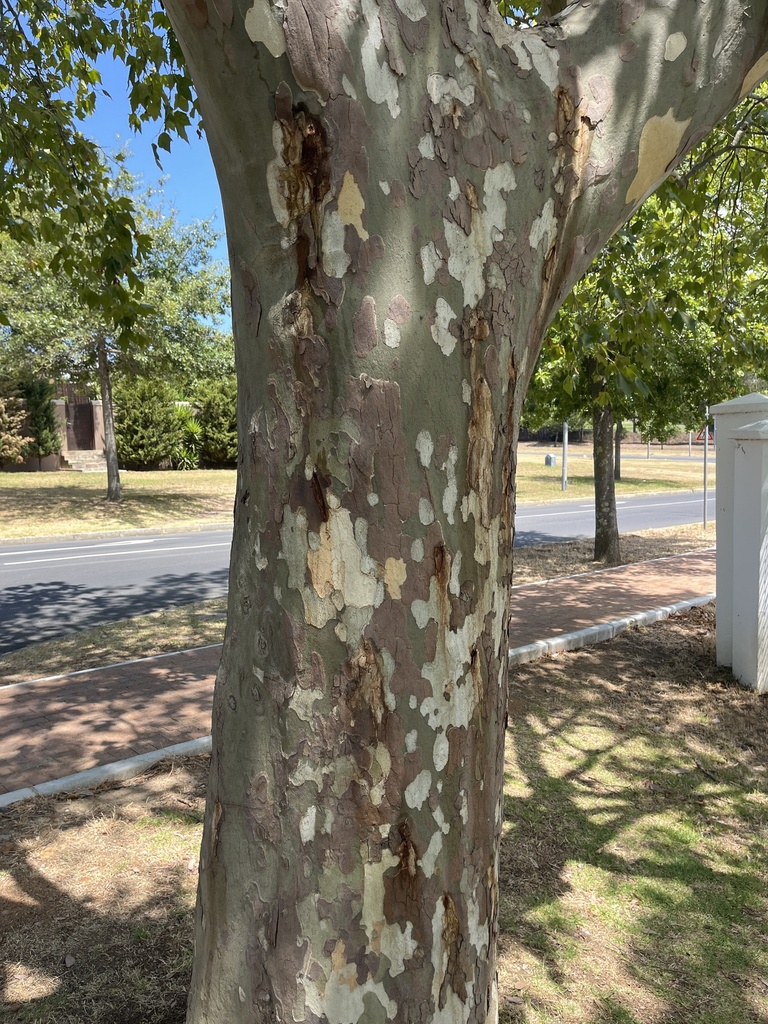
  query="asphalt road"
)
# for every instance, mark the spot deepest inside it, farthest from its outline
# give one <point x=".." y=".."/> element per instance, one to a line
<point x="51" y="589"/>
<point x="559" y="521"/>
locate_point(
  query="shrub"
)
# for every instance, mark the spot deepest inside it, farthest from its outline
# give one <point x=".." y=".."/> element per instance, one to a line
<point x="218" y="423"/>
<point x="148" y="428"/>
<point x="41" y="422"/>
<point x="186" y="454"/>
<point x="13" y="439"/>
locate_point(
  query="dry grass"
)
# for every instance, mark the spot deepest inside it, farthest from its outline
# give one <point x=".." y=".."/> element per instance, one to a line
<point x="548" y="561"/>
<point x="633" y="862"/>
<point x="669" y="470"/>
<point x="176" y="629"/>
<point x="63" y="504"/>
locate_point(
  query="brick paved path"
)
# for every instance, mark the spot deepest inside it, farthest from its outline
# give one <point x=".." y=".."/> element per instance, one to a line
<point x="55" y="728"/>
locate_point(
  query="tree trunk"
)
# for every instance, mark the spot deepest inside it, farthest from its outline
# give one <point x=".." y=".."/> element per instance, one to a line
<point x="410" y="189"/>
<point x="619" y="436"/>
<point x="114" y="489"/>
<point x="607" y="547"/>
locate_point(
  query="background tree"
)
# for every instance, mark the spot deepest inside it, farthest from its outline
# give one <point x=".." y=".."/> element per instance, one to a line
<point x="13" y="438"/>
<point x="670" y="317"/>
<point x="40" y="422"/>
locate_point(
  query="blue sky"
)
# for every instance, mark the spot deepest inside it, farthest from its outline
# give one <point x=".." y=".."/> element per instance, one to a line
<point x="190" y="184"/>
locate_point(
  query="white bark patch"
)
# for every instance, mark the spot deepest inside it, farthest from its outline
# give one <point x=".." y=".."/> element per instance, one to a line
<point x="391" y="334"/>
<point x="440" y="751"/>
<point x="544" y="228"/>
<point x="339" y="566"/>
<point x="469" y="252"/>
<point x="451" y="492"/>
<point x="411" y="739"/>
<point x="431" y="261"/>
<point x="449" y="1008"/>
<point x="466" y="392"/>
<point x="444" y="89"/>
<point x="380" y="80"/>
<point x="659" y="145"/>
<point x="439" y="329"/>
<point x="755" y="75"/>
<point x="430" y="855"/>
<point x="417" y="550"/>
<point x="533" y="53"/>
<point x="414" y="10"/>
<point x="386" y="939"/>
<point x="343" y="999"/>
<point x="395" y="575"/>
<point x="676" y="44"/>
<point x="349" y="89"/>
<point x="336" y="259"/>
<point x="351" y="206"/>
<point x="385" y="187"/>
<point x="426" y="512"/>
<point x="427" y="147"/>
<point x="454" y="586"/>
<point x="307" y="825"/>
<point x="262" y="26"/>
<point x="425" y="446"/>
<point x="418" y="791"/>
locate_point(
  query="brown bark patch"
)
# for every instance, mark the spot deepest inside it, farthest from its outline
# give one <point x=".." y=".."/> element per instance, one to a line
<point x="365" y="327"/>
<point x="197" y="12"/>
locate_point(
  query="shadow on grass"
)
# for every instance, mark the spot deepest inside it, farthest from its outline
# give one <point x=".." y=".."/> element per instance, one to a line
<point x="78" y="940"/>
<point x="33" y="612"/>
<point x="634" y="865"/>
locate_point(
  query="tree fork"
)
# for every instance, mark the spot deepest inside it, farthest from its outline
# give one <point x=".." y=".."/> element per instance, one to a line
<point x="410" y="189"/>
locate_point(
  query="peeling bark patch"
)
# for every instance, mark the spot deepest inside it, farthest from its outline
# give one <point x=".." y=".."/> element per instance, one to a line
<point x="380" y="79"/>
<point x="262" y="26"/>
<point x="364" y="327"/>
<point x="351" y="206"/>
<point x="197" y="12"/>
<point x="629" y="12"/>
<point x="225" y="11"/>
<point x="400" y="310"/>
<point x="659" y="145"/>
<point x="676" y="44"/>
<point x="444" y="316"/>
<point x="756" y="74"/>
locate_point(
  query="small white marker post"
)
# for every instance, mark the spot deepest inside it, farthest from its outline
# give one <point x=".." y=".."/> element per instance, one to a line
<point x="707" y="460"/>
<point x="564" y="485"/>
<point x="690" y="443"/>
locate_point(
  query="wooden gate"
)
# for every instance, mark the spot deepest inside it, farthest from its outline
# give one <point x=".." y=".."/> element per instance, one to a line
<point x="79" y="413"/>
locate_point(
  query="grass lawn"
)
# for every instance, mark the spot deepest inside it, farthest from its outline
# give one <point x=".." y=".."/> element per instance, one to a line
<point x="632" y="871"/>
<point x="49" y="504"/>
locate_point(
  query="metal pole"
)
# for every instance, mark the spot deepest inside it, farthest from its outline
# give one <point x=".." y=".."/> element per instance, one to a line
<point x="564" y="484"/>
<point x="690" y="443"/>
<point x="648" y="449"/>
<point x="707" y="459"/>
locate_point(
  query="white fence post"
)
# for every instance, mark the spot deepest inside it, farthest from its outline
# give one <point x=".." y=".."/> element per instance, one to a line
<point x="750" y="556"/>
<point x="729" y="416"/>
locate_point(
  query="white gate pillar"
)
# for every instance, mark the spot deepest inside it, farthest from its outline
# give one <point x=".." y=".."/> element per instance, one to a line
<point x="750" y="556"/>
<point x="729" y="416"/>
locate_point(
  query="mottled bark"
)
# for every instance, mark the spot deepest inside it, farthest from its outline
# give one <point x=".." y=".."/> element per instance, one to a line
<point x="618" y="437"/>
<point x="607" y="547"/>
<point x="410" y="189"/>
<point x="114" y="488"/>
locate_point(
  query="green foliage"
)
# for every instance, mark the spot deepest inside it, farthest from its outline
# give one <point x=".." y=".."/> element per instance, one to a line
<point x="218" y="422"/>
<point x="186" y="454"/>
<point x="13" y="440"/>
<point x="50" y="83"/>
<point x="41" y="421"/>
<point x="148" y="429"/>
<point x="671" y="316"/>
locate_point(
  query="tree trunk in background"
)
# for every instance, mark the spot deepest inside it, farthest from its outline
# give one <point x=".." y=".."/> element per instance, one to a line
<point x="607" y="548"/>
<point x="114" y="489"/>
<point x="410" y="187"/>
<point x="617" y="451"/>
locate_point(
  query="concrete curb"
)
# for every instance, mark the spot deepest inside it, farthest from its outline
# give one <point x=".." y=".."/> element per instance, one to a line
<point x="118" y="771"/>
<point x="121" y="770"/>
<point x="597" y="634"/>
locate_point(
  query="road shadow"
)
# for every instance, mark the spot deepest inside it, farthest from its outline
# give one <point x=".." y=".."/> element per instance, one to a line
<point x="34" y="612"/>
